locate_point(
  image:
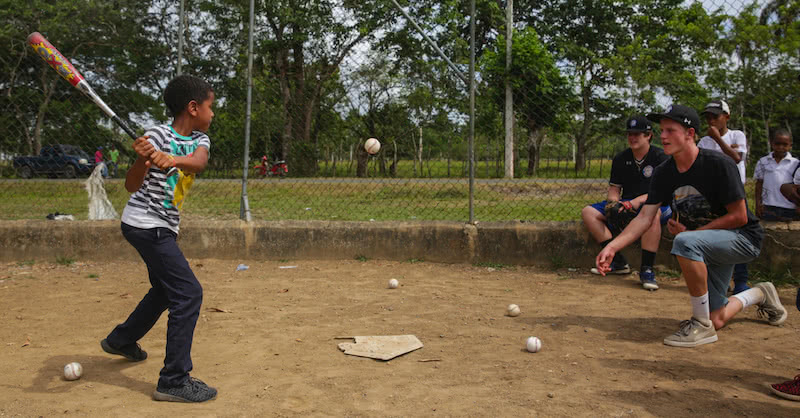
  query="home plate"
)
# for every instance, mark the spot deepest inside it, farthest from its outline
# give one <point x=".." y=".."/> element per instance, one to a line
<point x="380" y="347"/>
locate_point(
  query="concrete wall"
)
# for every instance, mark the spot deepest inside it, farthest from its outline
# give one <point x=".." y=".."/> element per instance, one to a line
<point x="548" y="244"/>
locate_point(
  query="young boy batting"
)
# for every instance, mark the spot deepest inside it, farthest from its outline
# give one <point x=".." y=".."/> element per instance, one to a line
<point x="706" y="255"/>
<point x="150" y="224"/>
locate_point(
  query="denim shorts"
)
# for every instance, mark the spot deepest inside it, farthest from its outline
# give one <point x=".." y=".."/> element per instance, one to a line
<point x="666" y="211"/>
<point x="720" y="250"/>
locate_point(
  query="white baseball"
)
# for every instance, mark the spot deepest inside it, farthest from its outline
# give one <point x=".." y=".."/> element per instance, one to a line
<point x="73" y="371"/>
<point x="372" y="146"/>
<point x="513" y="310"/>
<point x="533" y="344"/>
<point x="393" y="284"/>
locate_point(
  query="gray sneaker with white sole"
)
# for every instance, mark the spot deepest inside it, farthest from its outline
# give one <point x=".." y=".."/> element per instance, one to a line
<point x="771" y="307"/>
<point x="692" y="333"/>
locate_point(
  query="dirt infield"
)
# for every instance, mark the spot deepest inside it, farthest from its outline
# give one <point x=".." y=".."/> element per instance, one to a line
<point x="265" y="340"/>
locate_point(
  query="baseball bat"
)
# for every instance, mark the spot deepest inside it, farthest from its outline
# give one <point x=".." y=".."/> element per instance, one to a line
<point x="67" y="71"/>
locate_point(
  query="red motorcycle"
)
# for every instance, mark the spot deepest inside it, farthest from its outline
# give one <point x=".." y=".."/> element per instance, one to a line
<point x="276" y="169"/>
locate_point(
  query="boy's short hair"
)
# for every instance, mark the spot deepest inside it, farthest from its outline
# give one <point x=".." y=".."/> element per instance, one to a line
<point x="780" y="132"/>
<point x="183" y="89"/>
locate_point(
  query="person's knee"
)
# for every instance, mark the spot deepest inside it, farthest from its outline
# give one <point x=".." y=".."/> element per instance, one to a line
<point x="588" y="214"/>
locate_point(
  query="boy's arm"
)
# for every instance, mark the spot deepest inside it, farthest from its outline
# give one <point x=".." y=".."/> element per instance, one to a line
<point x="730" y="152"/>
<point x="613" y="194"/>
<point x="638" y="226"/>
<point x="135" y="177"/>
<point x="193" y="164"/>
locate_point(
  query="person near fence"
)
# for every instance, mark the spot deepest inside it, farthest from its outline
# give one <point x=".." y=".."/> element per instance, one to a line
<point x="631" y="170"/>
<point x="732" y="143"/>
<point x="772" y="171"/>
<point x="791" y="190"/>
<point x="707" y="254"/>
<point x="98" y="159"/>
<point x="150" y="224"/>
<point x="113" y="155"/>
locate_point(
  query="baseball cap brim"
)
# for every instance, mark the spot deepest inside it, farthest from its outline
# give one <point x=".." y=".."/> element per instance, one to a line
<point x="714" y="110"/>
<point x="656" y="118"/>
<point x="637" y="130"/>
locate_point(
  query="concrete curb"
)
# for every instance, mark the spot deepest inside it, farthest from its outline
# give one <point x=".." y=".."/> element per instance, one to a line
<point x="547" y="244"/>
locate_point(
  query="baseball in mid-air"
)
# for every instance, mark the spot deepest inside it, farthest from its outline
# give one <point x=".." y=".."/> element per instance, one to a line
<point x="372" y="146"/>
<point x="393" y="284"/>
<point x="513" y="310"/>
<point x="73" y="371"/>
<point x="534" y="344"/>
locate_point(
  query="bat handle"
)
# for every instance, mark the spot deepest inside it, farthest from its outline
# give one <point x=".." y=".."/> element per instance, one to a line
<point x="124" y="126"/>
<point x="172" y="171"/>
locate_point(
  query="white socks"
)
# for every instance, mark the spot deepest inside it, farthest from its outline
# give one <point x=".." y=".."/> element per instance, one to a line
<point x="700" y="310"/>
<point x="750" y="297"/>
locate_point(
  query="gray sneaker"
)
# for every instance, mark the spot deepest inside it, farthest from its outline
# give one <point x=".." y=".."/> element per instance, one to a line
<point x="193" y="390"/>
<point x="692" y="333"/>
<point x="771" y="307"/>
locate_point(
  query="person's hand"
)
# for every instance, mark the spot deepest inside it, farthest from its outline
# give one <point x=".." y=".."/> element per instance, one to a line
<point x="162" y="160"/>
<point x="143" y="147"/>
<point x="603" y="260"/>
<point x="713" y="132"/>
<point x="674" y="227"/>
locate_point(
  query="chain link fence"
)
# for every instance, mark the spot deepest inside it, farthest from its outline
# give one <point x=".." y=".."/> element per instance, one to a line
<point x="328" y="75"/>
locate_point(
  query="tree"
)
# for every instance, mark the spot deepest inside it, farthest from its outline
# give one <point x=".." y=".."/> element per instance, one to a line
<point x="539" y="90"/>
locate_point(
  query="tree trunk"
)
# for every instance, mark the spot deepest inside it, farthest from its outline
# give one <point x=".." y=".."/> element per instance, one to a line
<point x="535" y="141"/>
<point x="580" y="152"/>
<point x="362" y="158"/>
<point x="422" y="173"/>
<point x="35" y="147"/>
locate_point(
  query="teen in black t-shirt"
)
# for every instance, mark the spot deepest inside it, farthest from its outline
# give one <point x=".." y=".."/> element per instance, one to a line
<point x="706" y="255"/>
<point x="631" y="171"/>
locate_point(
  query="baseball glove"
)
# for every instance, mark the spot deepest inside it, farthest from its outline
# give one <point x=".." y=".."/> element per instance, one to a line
<point x="692" y="211"/>
<point x="619" y="215"/>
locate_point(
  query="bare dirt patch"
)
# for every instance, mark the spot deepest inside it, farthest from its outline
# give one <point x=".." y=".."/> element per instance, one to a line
<point x="265" y="339"/>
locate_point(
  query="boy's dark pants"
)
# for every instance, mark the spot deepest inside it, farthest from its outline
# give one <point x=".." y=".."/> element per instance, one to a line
<point x="174" y="287"/>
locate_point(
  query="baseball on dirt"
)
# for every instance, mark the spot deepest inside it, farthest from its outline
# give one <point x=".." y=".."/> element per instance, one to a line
<point x="393" y="284"/>
<point x="73" y="371"/>
<point x="513" y="310"/>
<point x="372" y="146"/>
<point x="533" y="344"/>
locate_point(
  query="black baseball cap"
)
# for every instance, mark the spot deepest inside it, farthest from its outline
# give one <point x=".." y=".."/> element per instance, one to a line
<point x="638" y="123"/>
<point x="717" y="107"/>
<point x="684" y="115"/>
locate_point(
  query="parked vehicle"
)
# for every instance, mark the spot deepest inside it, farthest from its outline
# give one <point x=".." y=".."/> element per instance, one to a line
<point x="65" y="160"/>
<point x="275" y="169"/>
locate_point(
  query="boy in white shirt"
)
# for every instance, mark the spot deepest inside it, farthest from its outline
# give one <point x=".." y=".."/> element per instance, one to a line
<point x="772" y="171"/>
<point x="732" y="143"/>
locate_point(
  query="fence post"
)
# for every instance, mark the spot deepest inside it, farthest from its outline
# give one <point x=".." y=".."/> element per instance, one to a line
<point x="244" y="208"/>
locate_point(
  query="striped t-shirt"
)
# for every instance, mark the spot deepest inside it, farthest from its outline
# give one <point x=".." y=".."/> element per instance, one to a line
<point x="157" y="203"/>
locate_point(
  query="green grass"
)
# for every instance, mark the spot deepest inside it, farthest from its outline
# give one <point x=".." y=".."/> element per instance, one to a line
<point x="93" y="276"/>
<point x="361" y="258"/>
<point x="778" y="277"/>
<point x="313" y="199"/>
<point x="548" y="168"/>
<point x="65" y="261"/>
<point x="26" y="263"/>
